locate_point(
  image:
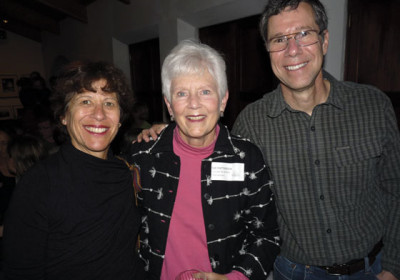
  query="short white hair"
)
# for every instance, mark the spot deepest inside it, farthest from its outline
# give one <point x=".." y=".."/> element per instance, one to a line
<point x="190" y="57"/>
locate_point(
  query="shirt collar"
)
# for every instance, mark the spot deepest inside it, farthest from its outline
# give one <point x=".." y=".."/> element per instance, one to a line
<point x="279" y="104"/>
<point x="164" y="141"/>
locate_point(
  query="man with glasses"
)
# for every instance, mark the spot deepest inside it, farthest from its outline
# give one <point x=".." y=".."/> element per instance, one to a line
<point x="334" y="152"/>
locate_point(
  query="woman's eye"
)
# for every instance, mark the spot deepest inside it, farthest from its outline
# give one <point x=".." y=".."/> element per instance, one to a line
<point x="109" y="104"/>
<point x="86" y="102"/>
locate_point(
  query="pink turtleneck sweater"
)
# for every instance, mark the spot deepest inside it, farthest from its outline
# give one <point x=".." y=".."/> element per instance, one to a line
<point x="187" y="243"/>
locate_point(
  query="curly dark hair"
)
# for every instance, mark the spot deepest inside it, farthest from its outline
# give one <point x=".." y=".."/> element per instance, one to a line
<point x="274" y="7"/>
<point x="78" y="77"/>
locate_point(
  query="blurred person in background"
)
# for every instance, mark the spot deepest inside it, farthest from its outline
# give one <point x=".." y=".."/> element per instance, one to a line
<point x="24" y="152"/>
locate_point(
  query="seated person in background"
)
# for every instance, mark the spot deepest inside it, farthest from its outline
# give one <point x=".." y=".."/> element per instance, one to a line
<point x="7" y="178"/>
<point x="140" y="115"/>
<point x="25" y="151"/>
<point x="136" y="121"/>
<point x="206" y="194"/>
<point x="46" y="128"/>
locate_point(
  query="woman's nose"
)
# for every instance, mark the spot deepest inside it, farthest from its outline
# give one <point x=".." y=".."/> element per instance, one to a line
<point x="193" y="100"/>
<point x="98" y="112"/>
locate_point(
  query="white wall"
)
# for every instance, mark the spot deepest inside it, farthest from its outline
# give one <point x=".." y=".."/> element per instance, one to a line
<point x="337" y="16"/>
<point x="121" y="58"/>
<point x="186" y="31"/>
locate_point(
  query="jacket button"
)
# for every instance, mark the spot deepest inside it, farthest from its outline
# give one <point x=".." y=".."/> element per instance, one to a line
<point x="211" y="227"/>
<point x="207" y="196"/>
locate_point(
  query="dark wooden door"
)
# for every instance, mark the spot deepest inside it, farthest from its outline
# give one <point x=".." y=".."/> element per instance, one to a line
<point x="373" y="43"/>
<point x="248" y="66"/>
<point x="373" y="46"/>
<point x="146" y="77"/>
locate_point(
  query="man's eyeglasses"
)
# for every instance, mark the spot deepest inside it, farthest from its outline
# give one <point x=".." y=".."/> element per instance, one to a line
<point x="303" y="38"/>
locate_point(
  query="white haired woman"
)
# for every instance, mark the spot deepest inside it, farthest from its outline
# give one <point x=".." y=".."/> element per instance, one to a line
<point x="205" y="193"/>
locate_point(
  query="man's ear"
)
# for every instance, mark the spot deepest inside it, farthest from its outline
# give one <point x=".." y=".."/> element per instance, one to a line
<point x="325" y="42"/>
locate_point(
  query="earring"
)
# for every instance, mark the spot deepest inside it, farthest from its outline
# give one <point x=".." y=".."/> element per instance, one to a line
<point x="172" y="118"/>
<point x="221" y="114"/>
<point x="119" y="124"/>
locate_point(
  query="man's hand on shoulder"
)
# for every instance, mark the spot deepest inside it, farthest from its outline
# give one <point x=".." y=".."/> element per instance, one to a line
<point x="210" y="276"/>
<point x="152" y="133"/>
<point x="386" y="275"/>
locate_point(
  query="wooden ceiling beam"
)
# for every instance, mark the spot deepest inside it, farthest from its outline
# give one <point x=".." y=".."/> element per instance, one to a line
<point x="23" y="30"/>
<point x="29" y="18"/>
<point x="70" y="8"/>
<point x="18" y="14"/>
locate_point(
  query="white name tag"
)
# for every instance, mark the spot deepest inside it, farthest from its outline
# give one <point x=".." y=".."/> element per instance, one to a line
<point x="221" y="171"/>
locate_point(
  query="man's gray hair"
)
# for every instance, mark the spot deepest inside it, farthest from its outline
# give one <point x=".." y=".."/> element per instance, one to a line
<point x="275" y="7"/>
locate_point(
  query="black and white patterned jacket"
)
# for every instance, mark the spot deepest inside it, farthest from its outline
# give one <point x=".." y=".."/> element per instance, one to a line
<point x="240" y="216"/>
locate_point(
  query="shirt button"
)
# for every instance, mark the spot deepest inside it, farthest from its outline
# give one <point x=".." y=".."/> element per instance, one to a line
<point x="313" y="128"/>
<point x="317" y="162"/>
<point x="211" y="227"/>
<point x="328" y="230"/>
<point x="322" y="197"/>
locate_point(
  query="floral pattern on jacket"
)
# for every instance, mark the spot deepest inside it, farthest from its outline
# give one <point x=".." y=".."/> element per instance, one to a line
<point x="239" y="216"/>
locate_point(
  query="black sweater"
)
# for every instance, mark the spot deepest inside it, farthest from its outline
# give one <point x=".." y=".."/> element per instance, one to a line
<point x="73" y="217"/>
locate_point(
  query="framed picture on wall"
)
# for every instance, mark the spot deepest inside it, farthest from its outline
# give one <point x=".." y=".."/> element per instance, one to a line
<point x="6" y="112"/>
<point x="8" y="85"/>
<point x="18" y="111"/>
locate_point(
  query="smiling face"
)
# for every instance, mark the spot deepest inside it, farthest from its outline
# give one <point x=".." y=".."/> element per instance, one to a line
<point x="92" y="120"/>
<point x="196" y="106"/>
<point x="298" y="68"/>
